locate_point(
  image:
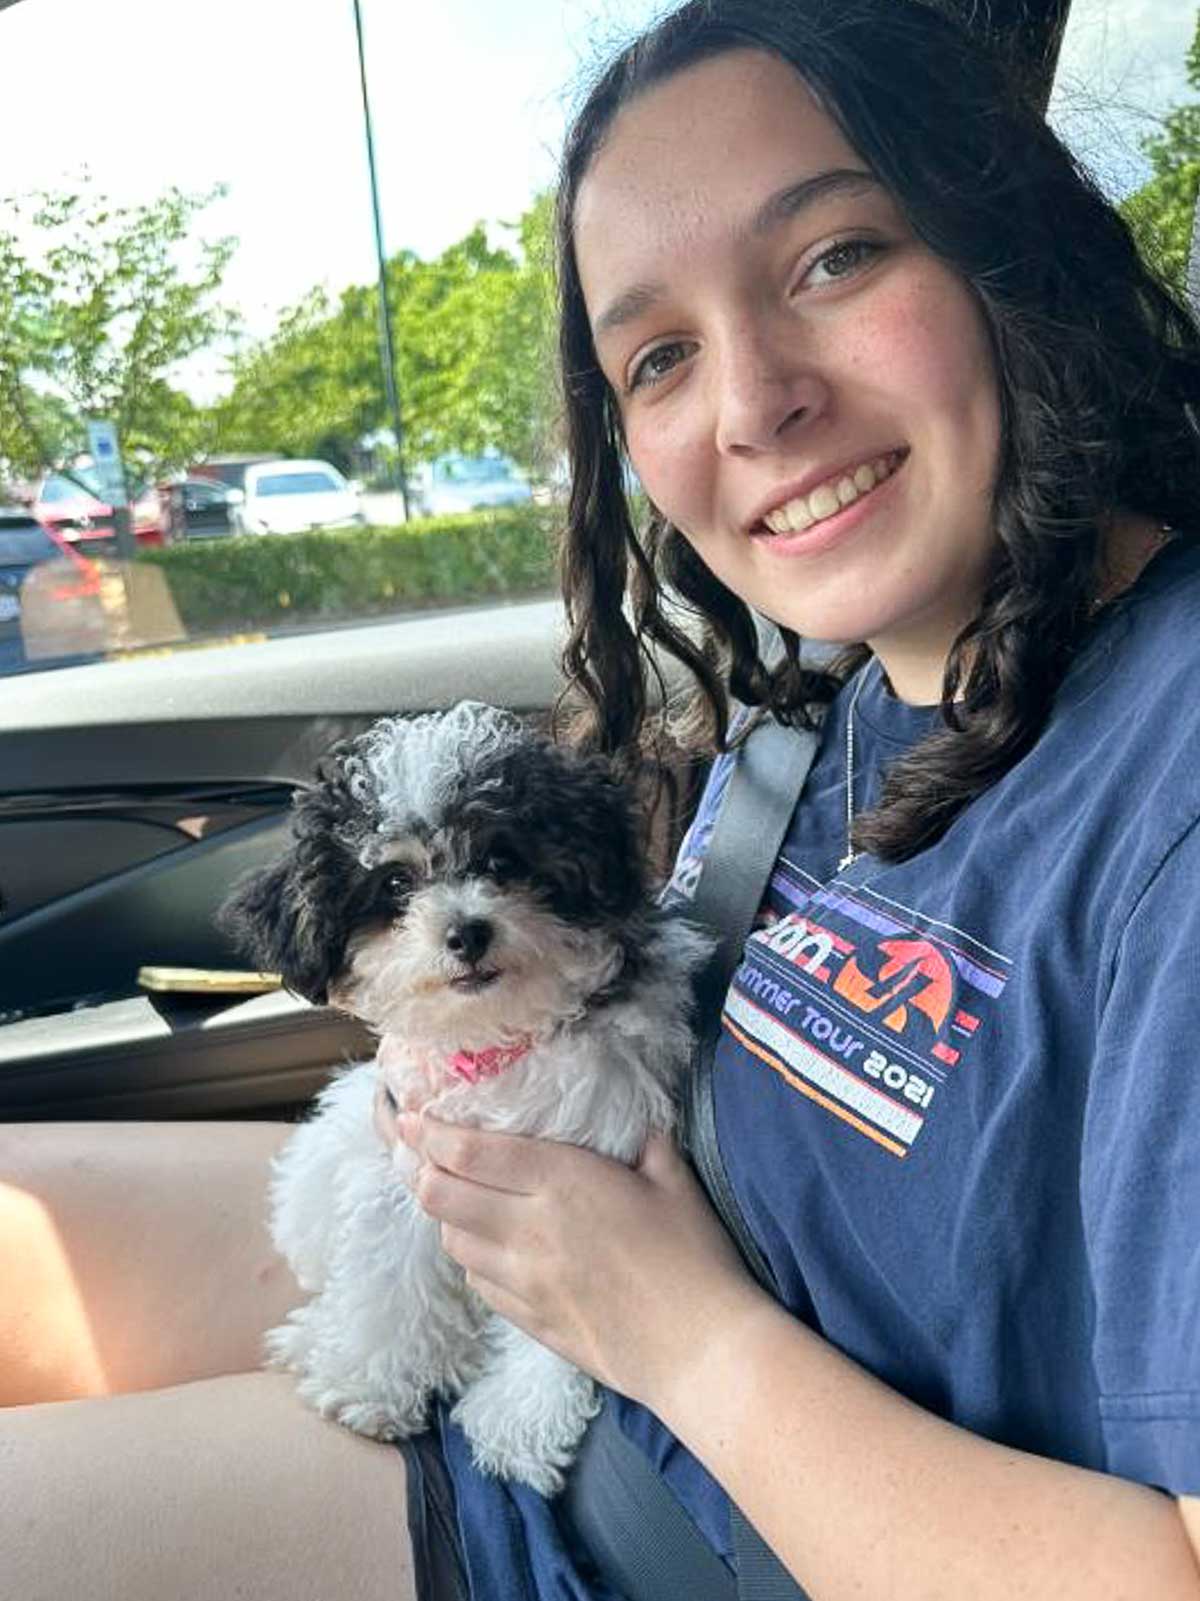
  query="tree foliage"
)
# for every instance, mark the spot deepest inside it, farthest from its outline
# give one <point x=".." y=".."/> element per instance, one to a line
<point x="470" y="330"/>
<point x="1161" y="211"/>
<point x="98" y="305"/>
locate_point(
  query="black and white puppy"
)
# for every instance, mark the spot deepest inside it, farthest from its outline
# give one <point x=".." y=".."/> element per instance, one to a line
<point x="477" y="895"/>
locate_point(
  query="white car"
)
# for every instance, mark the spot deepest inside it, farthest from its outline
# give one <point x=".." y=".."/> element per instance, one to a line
<point x="290" y="497"/>
<point x="452" y="485"/>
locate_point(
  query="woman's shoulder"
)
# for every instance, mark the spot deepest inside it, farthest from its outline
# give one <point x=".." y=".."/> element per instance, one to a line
<point x="1144" y="658"/>
<point x="1119" y="763"/>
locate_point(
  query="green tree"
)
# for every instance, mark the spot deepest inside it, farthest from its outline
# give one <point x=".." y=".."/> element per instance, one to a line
<point x="1161" y="211"/>
<point x="307" y="390"/>
<point x="471" y="356"/>
<point x="98" y="305"/>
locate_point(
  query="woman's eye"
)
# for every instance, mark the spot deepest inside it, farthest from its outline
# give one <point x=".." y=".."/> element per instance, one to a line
<point x="658" y="364"/>
<point x="841" y="260"/>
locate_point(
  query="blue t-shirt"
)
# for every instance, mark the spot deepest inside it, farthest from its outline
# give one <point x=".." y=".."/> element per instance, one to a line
<point x="958" y="1098"/>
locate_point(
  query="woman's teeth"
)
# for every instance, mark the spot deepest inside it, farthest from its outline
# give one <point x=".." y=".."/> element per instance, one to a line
<point x="831" y="496"/>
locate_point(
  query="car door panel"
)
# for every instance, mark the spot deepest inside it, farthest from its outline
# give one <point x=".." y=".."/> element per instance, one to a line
<point x="163" y="1057"/>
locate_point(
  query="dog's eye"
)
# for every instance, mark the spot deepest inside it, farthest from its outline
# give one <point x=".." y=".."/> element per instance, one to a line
<point x="500" y="863"/>
<point x="396" y="884"/>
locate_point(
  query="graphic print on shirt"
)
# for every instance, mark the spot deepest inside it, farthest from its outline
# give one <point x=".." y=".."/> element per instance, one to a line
<point x="863" y="1005"/>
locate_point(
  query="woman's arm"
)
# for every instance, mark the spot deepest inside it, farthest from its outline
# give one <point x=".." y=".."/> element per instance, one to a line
<point x="861" y="1493"/>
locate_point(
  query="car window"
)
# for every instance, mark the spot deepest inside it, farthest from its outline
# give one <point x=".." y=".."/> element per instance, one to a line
<point x="479" y="470"/>
<point x="56" y="489"/>
<point x="24" y="544"/>
<point x="297" y="484"/>
<point x="184" y="291"/>
<point x="83" y="483"/>
<point x="205" y="494"/>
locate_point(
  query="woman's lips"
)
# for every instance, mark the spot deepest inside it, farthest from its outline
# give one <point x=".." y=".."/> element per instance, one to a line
<point x="827" y="531"/>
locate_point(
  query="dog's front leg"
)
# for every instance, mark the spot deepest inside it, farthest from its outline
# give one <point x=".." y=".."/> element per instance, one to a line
<point x="527" y="1411"/>
<point x="394" y="1322"/>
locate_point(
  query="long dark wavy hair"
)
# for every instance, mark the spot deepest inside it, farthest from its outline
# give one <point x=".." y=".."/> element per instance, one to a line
<point x="1098" y="370"/>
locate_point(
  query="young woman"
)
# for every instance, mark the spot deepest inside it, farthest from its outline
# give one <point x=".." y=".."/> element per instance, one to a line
<point x="891" y="376"/>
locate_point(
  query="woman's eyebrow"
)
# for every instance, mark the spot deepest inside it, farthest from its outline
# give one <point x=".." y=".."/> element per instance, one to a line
<point x="628" y="305"/>
<point x="796" y="197"/>
<point x="779" y="207"/>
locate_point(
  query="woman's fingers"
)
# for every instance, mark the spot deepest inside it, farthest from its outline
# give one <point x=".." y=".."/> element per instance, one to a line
<point x="606" y="1264"/>
<point x="507" y="1162"/>
<point x="461" y="1203"/>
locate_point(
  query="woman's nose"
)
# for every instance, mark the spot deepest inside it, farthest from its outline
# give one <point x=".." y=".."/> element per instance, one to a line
<point x="765" y="394"/>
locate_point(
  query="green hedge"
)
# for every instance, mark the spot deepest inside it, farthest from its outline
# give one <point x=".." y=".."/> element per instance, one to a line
<point x="269" y="580"/>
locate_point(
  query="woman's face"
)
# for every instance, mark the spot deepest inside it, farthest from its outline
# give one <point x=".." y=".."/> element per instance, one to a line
<point x="808" y="394"/>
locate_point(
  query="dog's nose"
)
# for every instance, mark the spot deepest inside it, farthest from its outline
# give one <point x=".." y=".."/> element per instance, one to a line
<point x="469" y="939"/>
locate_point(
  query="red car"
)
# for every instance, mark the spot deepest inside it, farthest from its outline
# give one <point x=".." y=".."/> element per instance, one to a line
<point x="85" y="520"/>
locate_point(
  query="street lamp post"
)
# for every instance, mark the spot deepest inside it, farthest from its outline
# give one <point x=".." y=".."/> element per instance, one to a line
<point x="387" y="357"/>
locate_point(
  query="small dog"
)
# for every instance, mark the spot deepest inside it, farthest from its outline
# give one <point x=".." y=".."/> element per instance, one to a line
<point x="476" y="894"/>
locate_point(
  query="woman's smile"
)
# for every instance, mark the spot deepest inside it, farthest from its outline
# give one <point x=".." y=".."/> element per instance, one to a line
<point x="816" y="515"/>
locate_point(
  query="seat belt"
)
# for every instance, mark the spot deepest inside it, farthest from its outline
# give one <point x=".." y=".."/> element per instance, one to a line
<point x="638" y="1534"/>
<point x="770" y="770"/>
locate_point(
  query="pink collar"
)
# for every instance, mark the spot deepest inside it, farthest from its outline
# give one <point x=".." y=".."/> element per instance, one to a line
<point x="471" y="1066"/>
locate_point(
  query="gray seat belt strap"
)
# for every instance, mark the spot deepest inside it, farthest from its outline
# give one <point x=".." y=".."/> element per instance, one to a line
<point x="766" y="782"/>
<point x="768" y="777"/>
<point x="634" y="1528"/>
<point x="770" y="768"/>
<point x="641" y="1539"/>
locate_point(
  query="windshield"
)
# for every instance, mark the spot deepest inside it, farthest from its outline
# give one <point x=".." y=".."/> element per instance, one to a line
<point x="298" y="484"/>
<point x="56" y="489"/>
<point x="163" y="294"/>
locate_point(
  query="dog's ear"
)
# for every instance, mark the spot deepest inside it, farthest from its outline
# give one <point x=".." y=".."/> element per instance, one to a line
<point x="290" y="917"/>
<point x="607" y="812"/>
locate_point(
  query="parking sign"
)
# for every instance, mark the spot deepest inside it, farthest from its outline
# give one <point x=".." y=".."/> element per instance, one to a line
<point x="106" y="454"/>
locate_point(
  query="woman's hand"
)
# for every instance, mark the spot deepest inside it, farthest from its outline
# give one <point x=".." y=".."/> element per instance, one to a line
<point x="626" y="1272"/>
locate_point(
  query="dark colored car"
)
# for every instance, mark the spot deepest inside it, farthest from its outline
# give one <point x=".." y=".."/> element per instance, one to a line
<point x="196" y="508"/>
<point x="230" y="470"/>
<point x="25" y="545"/>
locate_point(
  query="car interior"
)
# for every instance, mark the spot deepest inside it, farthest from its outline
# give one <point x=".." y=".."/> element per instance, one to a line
<point x="134" y="792"/>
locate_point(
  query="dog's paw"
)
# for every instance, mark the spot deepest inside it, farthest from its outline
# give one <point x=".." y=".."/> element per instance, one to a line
<point x="522" y="1467"/>
<point x="286" y="1346"/>
<point x="534" y="1442"/>
<point x="387" y="1417"/>
<point x="379" y="1422"/>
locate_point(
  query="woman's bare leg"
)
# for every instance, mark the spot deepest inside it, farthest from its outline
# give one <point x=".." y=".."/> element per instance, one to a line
<point x="222" y="1488"/>
<point x="134" y="1255"/>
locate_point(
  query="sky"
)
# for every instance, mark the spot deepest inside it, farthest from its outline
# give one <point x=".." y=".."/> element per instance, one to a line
<point x="469" y="99"/>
